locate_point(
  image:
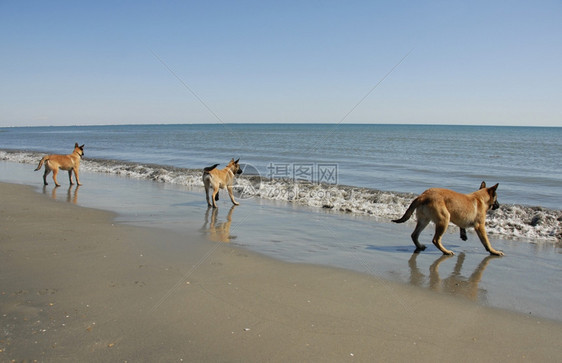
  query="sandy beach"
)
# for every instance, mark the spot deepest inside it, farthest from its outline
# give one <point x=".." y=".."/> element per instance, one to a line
<point x="77" y="286"/>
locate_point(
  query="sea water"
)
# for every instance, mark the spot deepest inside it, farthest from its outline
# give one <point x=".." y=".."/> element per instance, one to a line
<point x="368" y="170"/>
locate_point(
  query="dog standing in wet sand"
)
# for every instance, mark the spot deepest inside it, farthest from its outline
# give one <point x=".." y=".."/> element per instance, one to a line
<point x="442" y="206"/>
<point x="70" y="163"/>
<point x="217" y="179"/>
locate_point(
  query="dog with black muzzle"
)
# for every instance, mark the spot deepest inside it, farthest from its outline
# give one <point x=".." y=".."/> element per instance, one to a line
<point x="442" y="206"/>
<point x="220" y="179"/>
<point x="70" y="163"/>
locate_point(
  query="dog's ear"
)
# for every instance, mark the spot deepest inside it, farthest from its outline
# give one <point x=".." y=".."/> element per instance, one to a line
<point x="236" y="162"/>
<point x="76" y="144"/>
<point x="495" y="187"/>
<point x="81" y="147"/>
<point x="483" y="185"/>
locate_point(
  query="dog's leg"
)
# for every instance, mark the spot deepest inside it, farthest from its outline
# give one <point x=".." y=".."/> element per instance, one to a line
<point x="76" y="176"/>
<point x="440" y="229"/>
<point x="47" y="171"/>
<point x="441" y="223"/>
<point x="463" y="234"/>
<point x="70" y="177"/>
<point x="422" y="223"/>
<point x="215" y="192"/>
<point x="207" y="185"/>
<point x="481" y="232"/>
<point x="207" y="195"/>
<point x="229" y="188"/>
<point x="55" y="172"/>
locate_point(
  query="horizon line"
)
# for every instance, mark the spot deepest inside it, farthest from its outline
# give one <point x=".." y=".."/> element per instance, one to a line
<point x="280" y="123"/>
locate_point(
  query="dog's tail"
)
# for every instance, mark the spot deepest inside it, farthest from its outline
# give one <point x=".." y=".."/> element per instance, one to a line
<point x="45" y="158"/>
<point x="209" y="168"/>
<point x="409" y="211"/>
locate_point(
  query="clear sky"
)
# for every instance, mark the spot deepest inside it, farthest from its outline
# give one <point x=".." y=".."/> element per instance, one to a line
<point x="432" y="62"/>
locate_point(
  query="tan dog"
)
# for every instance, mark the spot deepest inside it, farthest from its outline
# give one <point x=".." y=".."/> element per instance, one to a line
<point x="442" y="206"/>
<point x="70" y="162"/>
<point x="213" y="177"/>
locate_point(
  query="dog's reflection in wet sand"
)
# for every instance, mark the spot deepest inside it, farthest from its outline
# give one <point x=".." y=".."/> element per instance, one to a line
<point x="70" y="196"/>
<point x="455" y="283"/>
<point x="218" y="232"/>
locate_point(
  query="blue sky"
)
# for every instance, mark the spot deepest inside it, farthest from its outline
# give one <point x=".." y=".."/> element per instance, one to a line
<point x="431" y="62"/>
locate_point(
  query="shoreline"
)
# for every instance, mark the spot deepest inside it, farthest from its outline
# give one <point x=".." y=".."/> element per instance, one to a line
<point x="91" y="289"/>
<point x="510" y="221"/>
<point x="296" y="234"/>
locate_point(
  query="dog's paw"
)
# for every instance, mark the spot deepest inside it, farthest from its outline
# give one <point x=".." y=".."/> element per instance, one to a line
<point x="419" y="249"/>
<point x="497" y="253"/>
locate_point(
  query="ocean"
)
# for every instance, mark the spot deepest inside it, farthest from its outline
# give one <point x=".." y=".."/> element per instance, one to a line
<point x="367" y="170"/>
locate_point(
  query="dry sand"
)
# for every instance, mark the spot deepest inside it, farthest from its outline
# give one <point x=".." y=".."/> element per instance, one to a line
<point x="75" y="286"/>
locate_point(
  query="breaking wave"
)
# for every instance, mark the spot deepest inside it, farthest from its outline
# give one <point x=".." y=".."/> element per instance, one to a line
<point x="509" y="221"/>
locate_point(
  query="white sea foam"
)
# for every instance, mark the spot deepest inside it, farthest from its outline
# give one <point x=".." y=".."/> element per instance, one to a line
<point x="509" y="221"/>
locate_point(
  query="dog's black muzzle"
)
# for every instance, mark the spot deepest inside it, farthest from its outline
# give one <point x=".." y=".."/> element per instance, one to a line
<point x="496" y="205"/>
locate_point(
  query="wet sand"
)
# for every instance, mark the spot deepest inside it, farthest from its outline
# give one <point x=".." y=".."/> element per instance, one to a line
<point x="78" y="286"/>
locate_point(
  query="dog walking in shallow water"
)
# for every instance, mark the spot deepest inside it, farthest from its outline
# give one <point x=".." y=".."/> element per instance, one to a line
<point x="213" y="177"/>
<point x="442" y="206"/>
<point x="70" y="163"/>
